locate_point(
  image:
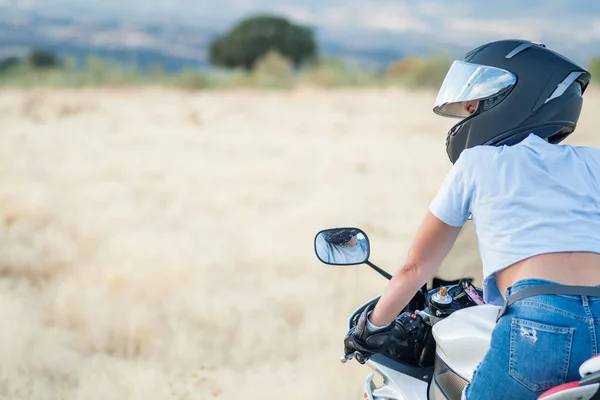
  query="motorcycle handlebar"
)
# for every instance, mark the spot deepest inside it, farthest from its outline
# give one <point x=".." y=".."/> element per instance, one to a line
<point x="360" y="357"/>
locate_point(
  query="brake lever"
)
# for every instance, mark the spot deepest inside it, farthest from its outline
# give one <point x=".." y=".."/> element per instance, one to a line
<point x="360" y="357"/>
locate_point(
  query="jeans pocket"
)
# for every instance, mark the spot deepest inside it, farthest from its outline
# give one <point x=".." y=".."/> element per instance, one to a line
<point x="539" y="354"/>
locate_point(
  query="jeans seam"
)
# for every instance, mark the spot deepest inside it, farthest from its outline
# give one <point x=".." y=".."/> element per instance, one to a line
<point x="553" y="309"/>
<point x="568" y="357"/>
<point x="590" y="323"/>
<point x="541" y="326"/>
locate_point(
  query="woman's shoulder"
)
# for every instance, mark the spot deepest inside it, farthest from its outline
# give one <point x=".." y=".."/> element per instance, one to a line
<point x="584" y="149"/>
<point x="478" y="156"/>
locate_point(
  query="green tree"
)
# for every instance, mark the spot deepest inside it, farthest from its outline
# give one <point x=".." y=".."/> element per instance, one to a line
<point x="42" y="59"/>
<point x="9" y="63"/>
<point x="254" y="37"/>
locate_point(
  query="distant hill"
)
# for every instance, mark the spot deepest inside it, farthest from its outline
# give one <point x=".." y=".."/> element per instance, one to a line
<point x="143" y="58"/>
<point x="145" y="44"/>
<point x="176" y="34"/>
<point x="174" y="47"/>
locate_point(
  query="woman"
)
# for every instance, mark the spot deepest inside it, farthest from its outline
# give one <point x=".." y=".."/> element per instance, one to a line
<point x="536" y="209"/>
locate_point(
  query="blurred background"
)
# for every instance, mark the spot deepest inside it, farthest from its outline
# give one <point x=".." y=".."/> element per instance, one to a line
<point x="164" y="168"/>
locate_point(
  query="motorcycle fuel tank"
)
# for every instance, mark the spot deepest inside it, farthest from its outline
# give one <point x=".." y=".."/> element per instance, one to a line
<point x="463" y="338"/>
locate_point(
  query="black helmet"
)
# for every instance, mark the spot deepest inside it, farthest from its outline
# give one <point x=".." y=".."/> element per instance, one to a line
<point x="339" y="236"/>
<point x="514" y="88"/>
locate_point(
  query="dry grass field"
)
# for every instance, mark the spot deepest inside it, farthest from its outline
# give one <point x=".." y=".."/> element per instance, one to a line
<point x="157" y="244"/>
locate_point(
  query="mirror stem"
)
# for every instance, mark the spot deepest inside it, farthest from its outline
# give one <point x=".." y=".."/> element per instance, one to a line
<point x="376" y="268"/>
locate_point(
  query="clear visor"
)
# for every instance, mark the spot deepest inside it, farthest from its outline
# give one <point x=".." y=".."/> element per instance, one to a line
<point x="466" y="84"/>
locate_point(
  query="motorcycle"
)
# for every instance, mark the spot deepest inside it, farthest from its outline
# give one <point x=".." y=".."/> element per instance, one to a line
<point x="449" y="328"/>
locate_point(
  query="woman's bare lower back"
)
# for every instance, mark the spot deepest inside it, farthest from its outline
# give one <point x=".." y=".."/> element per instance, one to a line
<point x="567" y="268"/>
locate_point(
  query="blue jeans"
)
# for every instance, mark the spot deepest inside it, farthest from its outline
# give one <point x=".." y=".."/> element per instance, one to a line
<point x="539" y="343"/>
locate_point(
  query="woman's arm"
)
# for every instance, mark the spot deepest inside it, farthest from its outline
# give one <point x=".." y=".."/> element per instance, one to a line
<point x="431" y="245"/>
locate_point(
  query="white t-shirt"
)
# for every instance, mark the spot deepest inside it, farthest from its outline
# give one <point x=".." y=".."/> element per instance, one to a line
<point x="527" y="199"/>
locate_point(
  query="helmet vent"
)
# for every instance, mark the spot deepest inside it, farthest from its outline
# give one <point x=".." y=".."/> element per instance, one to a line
<point x="523" y="47"/>
<point x="519" y="49"/>
<point x="562" y="87"/>
<point x="493" y="101"/>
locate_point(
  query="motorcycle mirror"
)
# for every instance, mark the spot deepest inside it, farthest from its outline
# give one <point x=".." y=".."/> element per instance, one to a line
<point x="342" y="246"/>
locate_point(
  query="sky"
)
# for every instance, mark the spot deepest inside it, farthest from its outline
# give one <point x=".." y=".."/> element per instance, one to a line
<point x="560" y="24"/>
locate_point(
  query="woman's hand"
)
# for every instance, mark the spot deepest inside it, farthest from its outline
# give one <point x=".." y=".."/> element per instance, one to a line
<point x="360" y="338"/>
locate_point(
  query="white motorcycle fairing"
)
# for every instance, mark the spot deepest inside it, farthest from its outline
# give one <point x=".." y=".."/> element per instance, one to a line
<point x="399" y="380"/>
<point x="463" y="338"/>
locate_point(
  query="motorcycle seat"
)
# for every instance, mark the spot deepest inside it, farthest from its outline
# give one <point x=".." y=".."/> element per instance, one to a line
<point x="588" y="388"/>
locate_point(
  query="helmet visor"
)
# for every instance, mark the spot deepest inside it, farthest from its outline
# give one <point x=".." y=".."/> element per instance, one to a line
<point x="466" y="84"/>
